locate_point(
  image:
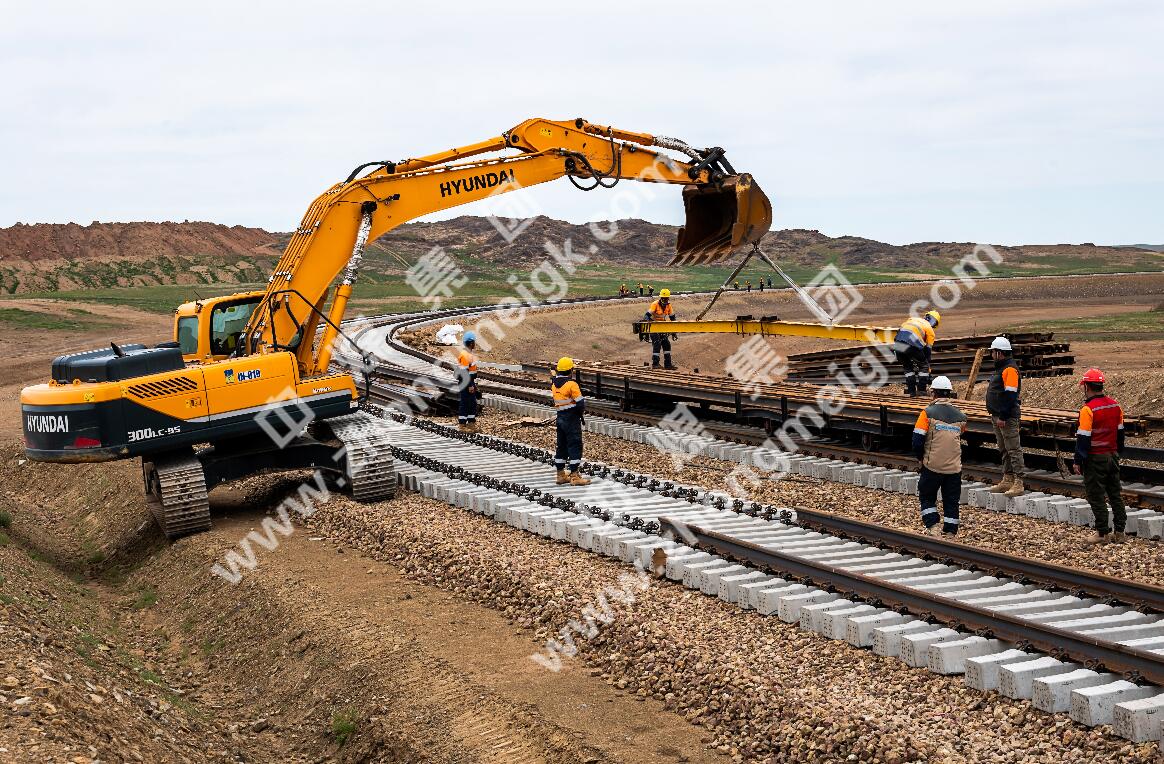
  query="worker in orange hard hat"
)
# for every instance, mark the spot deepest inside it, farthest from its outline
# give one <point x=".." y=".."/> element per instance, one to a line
<point x="661" y="310"/>
<point x="913" y="347"/>
<point x="1099" y="441"/>
<point x="571" y="408"/>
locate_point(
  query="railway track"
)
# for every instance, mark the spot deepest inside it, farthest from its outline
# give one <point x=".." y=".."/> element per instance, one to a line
<point x="1068" y="640"/>
<point x="752" y="424"/>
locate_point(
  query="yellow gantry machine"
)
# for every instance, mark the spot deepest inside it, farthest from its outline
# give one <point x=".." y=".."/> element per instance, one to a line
<point x="769" y="327"/>
<point x="215" y="403"/>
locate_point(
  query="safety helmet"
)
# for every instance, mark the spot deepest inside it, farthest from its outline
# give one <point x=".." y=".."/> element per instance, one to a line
<point x="470" y="337"/>
<point x="934" y="317"/>
<point x="1001" y="343"/>
<point x="941" y="383"/>
<point x="664" y="292"/>
<point x="565" y="363"/>
<point x="1092" y="375"/>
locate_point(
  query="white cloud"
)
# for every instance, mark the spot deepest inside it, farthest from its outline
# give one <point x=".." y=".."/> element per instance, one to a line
<point x="901" y="121"/>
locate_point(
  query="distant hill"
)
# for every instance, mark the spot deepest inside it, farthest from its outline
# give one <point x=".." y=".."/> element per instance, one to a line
<point x="51" y="257"/>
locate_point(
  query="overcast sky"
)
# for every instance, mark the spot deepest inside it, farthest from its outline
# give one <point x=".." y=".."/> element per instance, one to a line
<point x="1005" y="122"/>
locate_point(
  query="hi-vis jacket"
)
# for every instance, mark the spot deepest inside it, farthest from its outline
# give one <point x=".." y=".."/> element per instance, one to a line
<point x="916" y="332"/>
<point x="937" y="438"/>
<point x="658" y="311"/>
<point x="568" y="400"/>
<point x="468" y="363"/>
<point x="1101" y="428"/>
<point x="1002" y="394"/>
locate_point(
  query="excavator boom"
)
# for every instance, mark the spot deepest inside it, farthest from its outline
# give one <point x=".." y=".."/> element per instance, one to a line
<point x="724" y="210"/>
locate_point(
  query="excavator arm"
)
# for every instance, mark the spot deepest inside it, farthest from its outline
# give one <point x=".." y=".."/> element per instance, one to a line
<point x="724" y="210"/>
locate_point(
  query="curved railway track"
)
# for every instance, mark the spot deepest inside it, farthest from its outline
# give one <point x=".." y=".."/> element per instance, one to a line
<point x="1143" y="485"/>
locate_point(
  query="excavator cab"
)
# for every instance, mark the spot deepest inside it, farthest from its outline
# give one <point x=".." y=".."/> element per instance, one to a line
<point x="720" y="218"/>
<point x="210" y="330"/>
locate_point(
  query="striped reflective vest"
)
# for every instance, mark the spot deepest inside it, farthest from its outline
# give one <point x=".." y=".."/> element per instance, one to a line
<point x="568" y="401"/>
<point x="1101" y="427"/>
<point x="937" y="438"/>
<point x="916" y="332"/>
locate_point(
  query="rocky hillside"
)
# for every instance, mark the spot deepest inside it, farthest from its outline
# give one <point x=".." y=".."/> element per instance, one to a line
<point x="50" y="257"/>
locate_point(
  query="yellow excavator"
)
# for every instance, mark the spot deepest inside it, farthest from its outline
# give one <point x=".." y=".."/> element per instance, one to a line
<point x="223" y="399"/>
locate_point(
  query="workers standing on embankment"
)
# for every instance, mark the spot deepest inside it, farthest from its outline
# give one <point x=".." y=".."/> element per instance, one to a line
<point x="1099" y="441"/>
<point x="661" y="310"/>
<point x="937" y="444"/>
<point x="914" y="347"/>
<point x="570" y="407"/>
<point x="467" y="366"/>
<point x="1003" y="402"/>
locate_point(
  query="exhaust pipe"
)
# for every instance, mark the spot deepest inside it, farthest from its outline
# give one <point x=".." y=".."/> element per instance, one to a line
<point x="720" y="218"/>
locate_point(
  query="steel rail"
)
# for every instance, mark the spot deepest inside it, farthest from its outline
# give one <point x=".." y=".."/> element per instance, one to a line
<point x="1138" y="595"/>
<point x="1093" y="653"/>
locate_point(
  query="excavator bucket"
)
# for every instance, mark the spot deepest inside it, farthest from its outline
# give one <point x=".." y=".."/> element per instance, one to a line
<point x="721" y="218"/>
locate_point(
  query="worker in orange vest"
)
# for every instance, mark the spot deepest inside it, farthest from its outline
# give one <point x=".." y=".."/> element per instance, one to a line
<point x="570" y="408"/>
<point x="1099" y="441"/>
<point x="913" y="347"/>
<point x="661" y="310"/>
<point x="467" y="379"/>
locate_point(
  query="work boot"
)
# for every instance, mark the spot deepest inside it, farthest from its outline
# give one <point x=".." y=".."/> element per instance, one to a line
<point x="1003" y="485"/>
<point x="1097" y="538"/>
<point x="1016" y="488"/>
<point x="934" y="530"/>
<point x="577" y="479"/>
<point x="670" y="366"/>
<point x="563" y="477"/>
<point x="463" y="427"/>
<point x="1119" y="537"/>
<point x="473" y="426"/>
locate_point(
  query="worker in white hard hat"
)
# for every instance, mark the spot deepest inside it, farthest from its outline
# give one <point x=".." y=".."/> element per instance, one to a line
<point x="571" y="408"/>
<point x="661" y="310"/>
<point x="937" y="444"/>
<point x="1002" y="401"/>
<point x="913" y="345"/>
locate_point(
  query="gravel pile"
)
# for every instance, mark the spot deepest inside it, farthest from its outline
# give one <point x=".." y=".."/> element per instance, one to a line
<point x="763" y="690"/>
<point x="1137" y="559"/>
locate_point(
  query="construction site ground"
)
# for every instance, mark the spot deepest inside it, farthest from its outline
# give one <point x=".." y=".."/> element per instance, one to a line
<point x="402" y="631"/>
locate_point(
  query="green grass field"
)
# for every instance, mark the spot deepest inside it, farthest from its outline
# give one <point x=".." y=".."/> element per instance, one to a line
<point x="72" y="319"/>
<point x="488" y="283"/>
<point x="483" y="286"/>
<point x="1146" y="325"/>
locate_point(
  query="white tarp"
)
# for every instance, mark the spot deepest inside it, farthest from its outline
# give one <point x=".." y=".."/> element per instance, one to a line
<point x="449" y="334"/>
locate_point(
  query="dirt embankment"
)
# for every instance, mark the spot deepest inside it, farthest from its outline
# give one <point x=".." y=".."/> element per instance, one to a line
<point x="48" y="257"/>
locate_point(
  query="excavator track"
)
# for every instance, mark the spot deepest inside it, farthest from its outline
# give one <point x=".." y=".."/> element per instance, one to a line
<point x="371" y="472"/>
<point x="176" y="492"/>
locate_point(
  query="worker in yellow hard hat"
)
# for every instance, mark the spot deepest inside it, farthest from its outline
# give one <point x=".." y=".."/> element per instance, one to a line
<point x="570" y="407"/>
<point x="661" y="310"/>
<point x="913" y="347"/>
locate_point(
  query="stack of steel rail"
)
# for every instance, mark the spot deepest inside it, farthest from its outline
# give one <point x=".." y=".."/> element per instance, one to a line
<point x="1036" y="353"/>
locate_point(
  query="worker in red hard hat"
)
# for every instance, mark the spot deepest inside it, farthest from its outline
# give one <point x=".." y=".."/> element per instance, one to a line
<point x="1098" y="445"/>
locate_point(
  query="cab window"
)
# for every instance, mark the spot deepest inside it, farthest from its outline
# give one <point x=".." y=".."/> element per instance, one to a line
<point x="188" y="335"/>
<point x="227" y="323"/>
